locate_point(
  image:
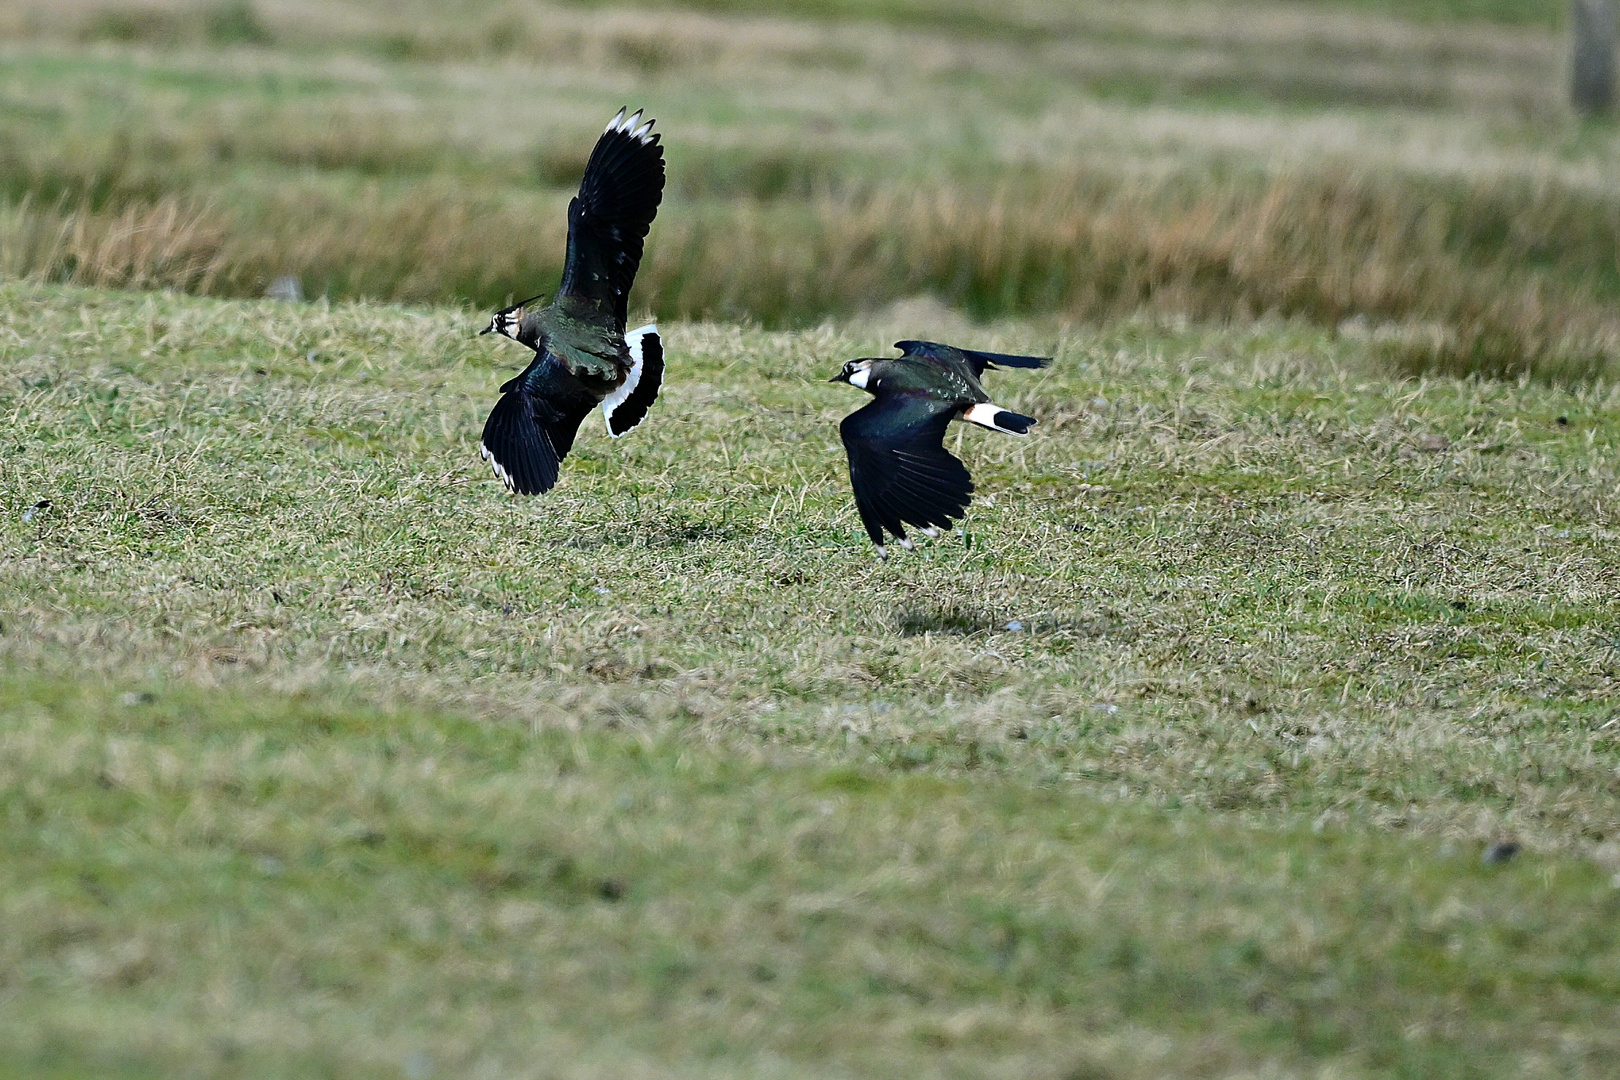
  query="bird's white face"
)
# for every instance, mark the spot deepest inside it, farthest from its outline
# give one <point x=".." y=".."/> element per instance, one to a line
<point x="857" y="372"/>
<point x="505" y="322"/>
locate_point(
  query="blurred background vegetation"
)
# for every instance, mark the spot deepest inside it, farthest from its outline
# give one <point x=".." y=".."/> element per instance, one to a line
<point x="1406" y="170"/>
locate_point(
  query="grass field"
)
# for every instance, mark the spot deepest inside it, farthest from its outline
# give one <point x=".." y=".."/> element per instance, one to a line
<point x="322" y="756"/>
<point x="1322" y="160"/>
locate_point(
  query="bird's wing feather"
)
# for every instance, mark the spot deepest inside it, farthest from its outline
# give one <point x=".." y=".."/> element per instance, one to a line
<point x="982" y="360"/>
<point x="976" y="361"/>
<point x="899" y="468"/>
<point x="609" y="218"/>
<point x="532" y="427"/>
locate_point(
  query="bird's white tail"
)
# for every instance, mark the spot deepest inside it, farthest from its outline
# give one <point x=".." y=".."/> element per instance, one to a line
<point x="627" y="406"/>
<point x="996" y="418"/>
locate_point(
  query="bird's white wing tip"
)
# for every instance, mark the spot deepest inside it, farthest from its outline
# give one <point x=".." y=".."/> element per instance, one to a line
<point x="632" y="125"/>
<point x="986" y="414"/>
<point x="500" y="473"/>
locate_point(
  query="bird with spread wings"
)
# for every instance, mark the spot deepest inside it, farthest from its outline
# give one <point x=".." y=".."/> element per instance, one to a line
<point x="582" y="356"/>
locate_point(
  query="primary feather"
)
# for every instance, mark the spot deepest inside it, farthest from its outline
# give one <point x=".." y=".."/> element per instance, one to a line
<point x="609" y="219"/>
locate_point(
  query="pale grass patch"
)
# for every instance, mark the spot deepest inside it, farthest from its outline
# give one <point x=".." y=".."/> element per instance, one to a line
<point x="165" y="245"/>
<point x="1329" y="249"/>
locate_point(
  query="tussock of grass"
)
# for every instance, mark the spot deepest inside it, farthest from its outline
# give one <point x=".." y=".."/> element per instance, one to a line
<point x="214" y="22"/>
<point x="163" y="245"/>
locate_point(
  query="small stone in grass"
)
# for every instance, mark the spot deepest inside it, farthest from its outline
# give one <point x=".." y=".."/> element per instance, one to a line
<point x="1015" y="625"/>
<point x="1500" y="853"/>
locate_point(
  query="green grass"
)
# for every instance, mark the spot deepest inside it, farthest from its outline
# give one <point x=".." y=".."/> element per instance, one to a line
<point x="1542" y="13"/>
<point x="321" y="754"/>
<point x="976" y="16"/>
<point x="266" y="887"/>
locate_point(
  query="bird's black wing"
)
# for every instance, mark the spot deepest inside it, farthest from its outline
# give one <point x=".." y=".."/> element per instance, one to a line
<point x="532" y="428"/>
<point x="976" y="361"/>
<point x="900" y="470"/>
<point x="609" y="218"/>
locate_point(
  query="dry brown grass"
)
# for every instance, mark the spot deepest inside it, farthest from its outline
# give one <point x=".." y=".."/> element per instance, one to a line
<point x="165" y="245"/>
<point x="1325" y="248"/>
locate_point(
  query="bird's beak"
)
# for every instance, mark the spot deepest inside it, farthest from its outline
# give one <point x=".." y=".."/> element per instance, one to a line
<point x="840" y="377"/>
<point x="485" y="330"/>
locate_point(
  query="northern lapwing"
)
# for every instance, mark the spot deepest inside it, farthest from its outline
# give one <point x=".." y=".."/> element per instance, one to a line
<point x="582" y="356"/>
<point x="898" y="465"/>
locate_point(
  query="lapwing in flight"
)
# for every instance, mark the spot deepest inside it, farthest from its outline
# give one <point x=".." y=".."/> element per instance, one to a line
<point x="582" y="356"/>
<point x="898" y="465"/>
